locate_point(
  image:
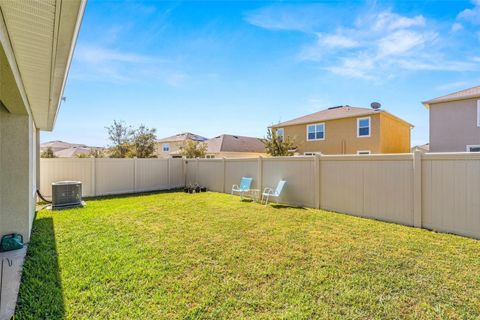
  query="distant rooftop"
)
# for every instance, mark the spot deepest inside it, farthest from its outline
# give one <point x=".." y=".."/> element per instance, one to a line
<point x="469" y="93"/>
<point x="60" y="145"/>
<point x="183" y="137"/>
<point x="232" y="143"/>
<point x="333" y="113"/>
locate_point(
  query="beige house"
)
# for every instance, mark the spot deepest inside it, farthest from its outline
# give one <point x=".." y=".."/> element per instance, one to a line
<point x="230" y="146"/>
<point x="171" y="147"/>
<point x="347" y="130"/>
<point x="455" y="121"/>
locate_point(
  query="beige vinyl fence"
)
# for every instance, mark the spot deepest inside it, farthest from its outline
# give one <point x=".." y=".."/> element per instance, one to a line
<point x="435" y="191"/>
<point x="112" y="176"/>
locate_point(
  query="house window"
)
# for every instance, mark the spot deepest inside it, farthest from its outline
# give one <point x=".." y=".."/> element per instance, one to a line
<point x="166" y="147"/>
<point x="363" y="127"/>
<point x="473" y="148"/>
<point x="316" y="132"/>
<point x="210" y="156"/>
<point x="281" y="133"/>
<point x="359" y="152"/>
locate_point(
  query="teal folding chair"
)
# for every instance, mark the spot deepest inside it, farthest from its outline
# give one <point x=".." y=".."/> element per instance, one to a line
<point x="244" y="186"/>
<point x="269" y="192"/>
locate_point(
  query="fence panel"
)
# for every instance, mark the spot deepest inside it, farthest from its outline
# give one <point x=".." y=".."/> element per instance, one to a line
<point x="177" y="175"/>
<point x="52" y="170"/>
<point x="151" y="174"/>
<point x="191" y="175"/>
<point x="379" y="187"/>
<point x="114" y="176"/>
<point x="210" y="174"/>
<point x="235" y="169"/>
<point x="445" y="196"/>
<point x="451" y="193"/>
<point x="299" y="174"/>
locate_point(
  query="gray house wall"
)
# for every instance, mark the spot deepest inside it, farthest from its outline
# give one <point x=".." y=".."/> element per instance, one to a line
<point x="18" y="174"/>
<point x="453" y="126"/>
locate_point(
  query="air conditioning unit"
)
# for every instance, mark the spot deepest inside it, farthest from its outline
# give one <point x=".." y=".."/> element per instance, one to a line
<point x="67" y="194"/>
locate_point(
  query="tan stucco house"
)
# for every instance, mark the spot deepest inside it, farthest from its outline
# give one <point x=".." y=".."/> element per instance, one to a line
<point x="170" y="147"/>
<point x="233" y="146"/>
<point x="37" y="40"/>
<point x="347" y="130"/>
<point x="455" y="121"/>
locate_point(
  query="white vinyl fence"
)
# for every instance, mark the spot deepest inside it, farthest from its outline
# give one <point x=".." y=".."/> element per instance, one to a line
<point x="112" y="176"/>
<point x="435" y="191"/>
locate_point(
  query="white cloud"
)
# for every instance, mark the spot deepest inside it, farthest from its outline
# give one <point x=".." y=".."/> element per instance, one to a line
<point x="402" y="41"/>
<point x="355" y="67"/>
<point x="373" y="43"/>
<point x="97" y="63"/>
<point x="99" y="55"/>
<point x="388" y="20"/>
<point x="337" y="41"/>
<point x="456" y="27"/>
<point x="282" y="18"/>
<point x="471" y="15"/>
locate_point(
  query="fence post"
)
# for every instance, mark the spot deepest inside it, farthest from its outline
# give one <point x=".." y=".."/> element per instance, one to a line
<point x="135" y="174"/>
<point x="197" y="171"/>
<point x="168" y="173"/>
<point x="223" y="175"/>
<point x="317" y="180"/>
<point x="184" y="171"/>
<point x="417" y="189"/>
<point x="93" y="177"/>
<point x="260" y="172"/>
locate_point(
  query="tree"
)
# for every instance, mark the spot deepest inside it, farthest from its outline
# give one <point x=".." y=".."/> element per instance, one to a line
<point x="48" y="153"/>
<point x="144" y="141"/>
<point x="96" y="153"/>
<point x="81" y="155"/>
<point x="194" y="149"/>
<point x="121" y="137"/>
<point x="278" y="146"/>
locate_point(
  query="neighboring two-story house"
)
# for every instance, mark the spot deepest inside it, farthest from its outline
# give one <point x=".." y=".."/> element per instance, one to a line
<point x="455" y="121"/>
<point x="232" y="146"/>
<point x="171" y="147"/>
<point x="347" y="130"/>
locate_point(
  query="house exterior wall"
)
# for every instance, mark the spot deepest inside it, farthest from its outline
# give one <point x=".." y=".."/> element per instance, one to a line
<point x="175" y="146"/>
<point x="453" y="126"/>
<point x="18" y="177"/>
<point x="340" y="137"/>
<point x="388" y="135"/>
<point x="395" y="135"/>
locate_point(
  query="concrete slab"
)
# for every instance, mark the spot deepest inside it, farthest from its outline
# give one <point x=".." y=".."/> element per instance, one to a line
<point x="11" y="264"/>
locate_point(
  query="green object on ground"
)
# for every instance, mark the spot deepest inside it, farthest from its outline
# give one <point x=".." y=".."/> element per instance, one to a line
<point x="11" y="242"/>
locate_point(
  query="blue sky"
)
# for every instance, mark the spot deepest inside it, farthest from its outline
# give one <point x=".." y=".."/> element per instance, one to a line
<point x="237" y="67"/>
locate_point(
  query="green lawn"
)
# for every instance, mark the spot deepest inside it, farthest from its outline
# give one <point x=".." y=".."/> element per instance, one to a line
<point x="175" y="255"/>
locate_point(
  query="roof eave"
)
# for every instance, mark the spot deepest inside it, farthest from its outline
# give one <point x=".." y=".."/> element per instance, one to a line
<point x="60" y="69"/>
<point x="428" y="103"/>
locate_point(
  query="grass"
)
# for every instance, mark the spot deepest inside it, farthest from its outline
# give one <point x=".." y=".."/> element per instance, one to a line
<point x="174" y="255"/>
